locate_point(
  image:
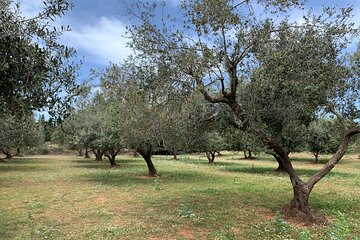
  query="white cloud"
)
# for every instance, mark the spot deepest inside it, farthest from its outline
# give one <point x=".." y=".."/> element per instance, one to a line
<point x="101" y="43"/>
<point x="30" y="8"/>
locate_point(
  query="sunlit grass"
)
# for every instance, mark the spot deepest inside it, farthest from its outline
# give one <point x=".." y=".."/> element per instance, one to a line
<point x="63" y="197"/>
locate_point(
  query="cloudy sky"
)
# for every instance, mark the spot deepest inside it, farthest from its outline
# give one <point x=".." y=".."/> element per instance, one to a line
<point x="98" y="27"/>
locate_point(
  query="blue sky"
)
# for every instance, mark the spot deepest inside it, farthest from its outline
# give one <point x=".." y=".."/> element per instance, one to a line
<point x="98" y="27"/>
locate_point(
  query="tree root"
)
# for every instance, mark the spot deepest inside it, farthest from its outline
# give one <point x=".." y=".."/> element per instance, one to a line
<point x="307" y="216"/>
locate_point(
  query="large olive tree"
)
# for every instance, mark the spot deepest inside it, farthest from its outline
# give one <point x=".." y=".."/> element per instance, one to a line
<point x="273" y="74"/>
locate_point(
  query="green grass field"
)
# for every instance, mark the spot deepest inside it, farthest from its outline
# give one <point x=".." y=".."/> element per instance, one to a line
<point x="63" y="197"/>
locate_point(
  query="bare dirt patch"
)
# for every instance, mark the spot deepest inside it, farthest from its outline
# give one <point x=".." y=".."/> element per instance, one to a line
<point x="100" y="200"/>
<point x="186" y="233"/>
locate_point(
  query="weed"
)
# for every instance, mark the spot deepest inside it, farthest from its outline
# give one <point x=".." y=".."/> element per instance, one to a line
<point x="339" y="229"/>
<point x="157" y="182"/>
<point x="185" y="212"/>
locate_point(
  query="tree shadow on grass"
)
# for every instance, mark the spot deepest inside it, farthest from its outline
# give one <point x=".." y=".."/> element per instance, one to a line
<point x="105" y="164"/>
<point x="9" y="167"/>
<point x="206" y="163"/>
<point x="270" y="171"/>
<point x="133" y="176"/>
<point x="17" y="161"/>
<point x="24" y="165"/>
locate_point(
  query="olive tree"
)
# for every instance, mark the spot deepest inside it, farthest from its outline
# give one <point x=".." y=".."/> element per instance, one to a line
<point x="18" y="132"/>
<point x="322" y="137"/>
<point x="144" y="108"/>
<point x="273" y="74"/>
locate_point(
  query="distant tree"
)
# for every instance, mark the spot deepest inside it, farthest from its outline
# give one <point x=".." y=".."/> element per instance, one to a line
<point x="143" y="108"/>
<point x="18" y="132"/>
<point x="71" y="131"/>
<point x="213" y="142"/>
<point x="322" y="137"/>
<point x="249" y="144"/>
<point x="48" y="126"/>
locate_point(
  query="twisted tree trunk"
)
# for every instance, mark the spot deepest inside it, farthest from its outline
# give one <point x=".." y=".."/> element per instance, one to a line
<point x="299" y="205"/>
<point x="146" y="154"/>
<point x="247" y="154"/>
<point x="280" y="167"/>
<point x="8" y="154"/>
<point x="98" y="154"/>
<point x="111" y="155"/>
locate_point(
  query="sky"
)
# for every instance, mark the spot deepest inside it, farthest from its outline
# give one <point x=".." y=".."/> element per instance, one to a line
<point x="98" y="27"/>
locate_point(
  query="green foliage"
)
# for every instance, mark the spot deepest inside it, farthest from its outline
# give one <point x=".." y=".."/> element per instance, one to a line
<point x="322" y="137"/>
<point x="36" y="71"/>
<point x="19" y="132"/>
<point x="186" y="212"/>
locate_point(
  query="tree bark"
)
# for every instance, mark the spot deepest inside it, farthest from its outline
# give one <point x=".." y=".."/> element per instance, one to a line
<point x="146" y="154"/>
<point x="210" y="156"/>
<point x="98" y="154"/>
<point x="280" y="167"/>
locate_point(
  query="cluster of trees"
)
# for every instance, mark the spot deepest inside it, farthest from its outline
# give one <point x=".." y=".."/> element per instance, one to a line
<point x="275" y="75"/>
<point x="221" y="76"/>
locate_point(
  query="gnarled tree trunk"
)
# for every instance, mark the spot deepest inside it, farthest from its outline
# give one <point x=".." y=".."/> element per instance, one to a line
<point x="111" y="155"/>
<point x="146" y="154"/>
<point x="8" y="155"/>
<point x="247" y="154"/>
<point x="98" y="154"/>
<point x="299" y="205"/>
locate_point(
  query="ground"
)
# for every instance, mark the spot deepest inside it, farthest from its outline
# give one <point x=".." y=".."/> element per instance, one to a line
<point x="65" y="197"/>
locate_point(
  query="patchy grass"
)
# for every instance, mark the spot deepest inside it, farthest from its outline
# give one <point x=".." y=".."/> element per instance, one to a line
<point x="62" y="197"/>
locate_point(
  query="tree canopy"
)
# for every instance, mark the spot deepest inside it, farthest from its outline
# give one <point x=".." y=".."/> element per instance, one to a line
<point x="36" y="71"/>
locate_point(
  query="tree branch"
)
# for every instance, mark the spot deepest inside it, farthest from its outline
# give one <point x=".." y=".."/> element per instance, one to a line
<point x="334" y="159"/>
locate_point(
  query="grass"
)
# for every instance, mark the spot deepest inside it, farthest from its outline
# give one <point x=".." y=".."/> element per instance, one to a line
<point x="63" y="197"/>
